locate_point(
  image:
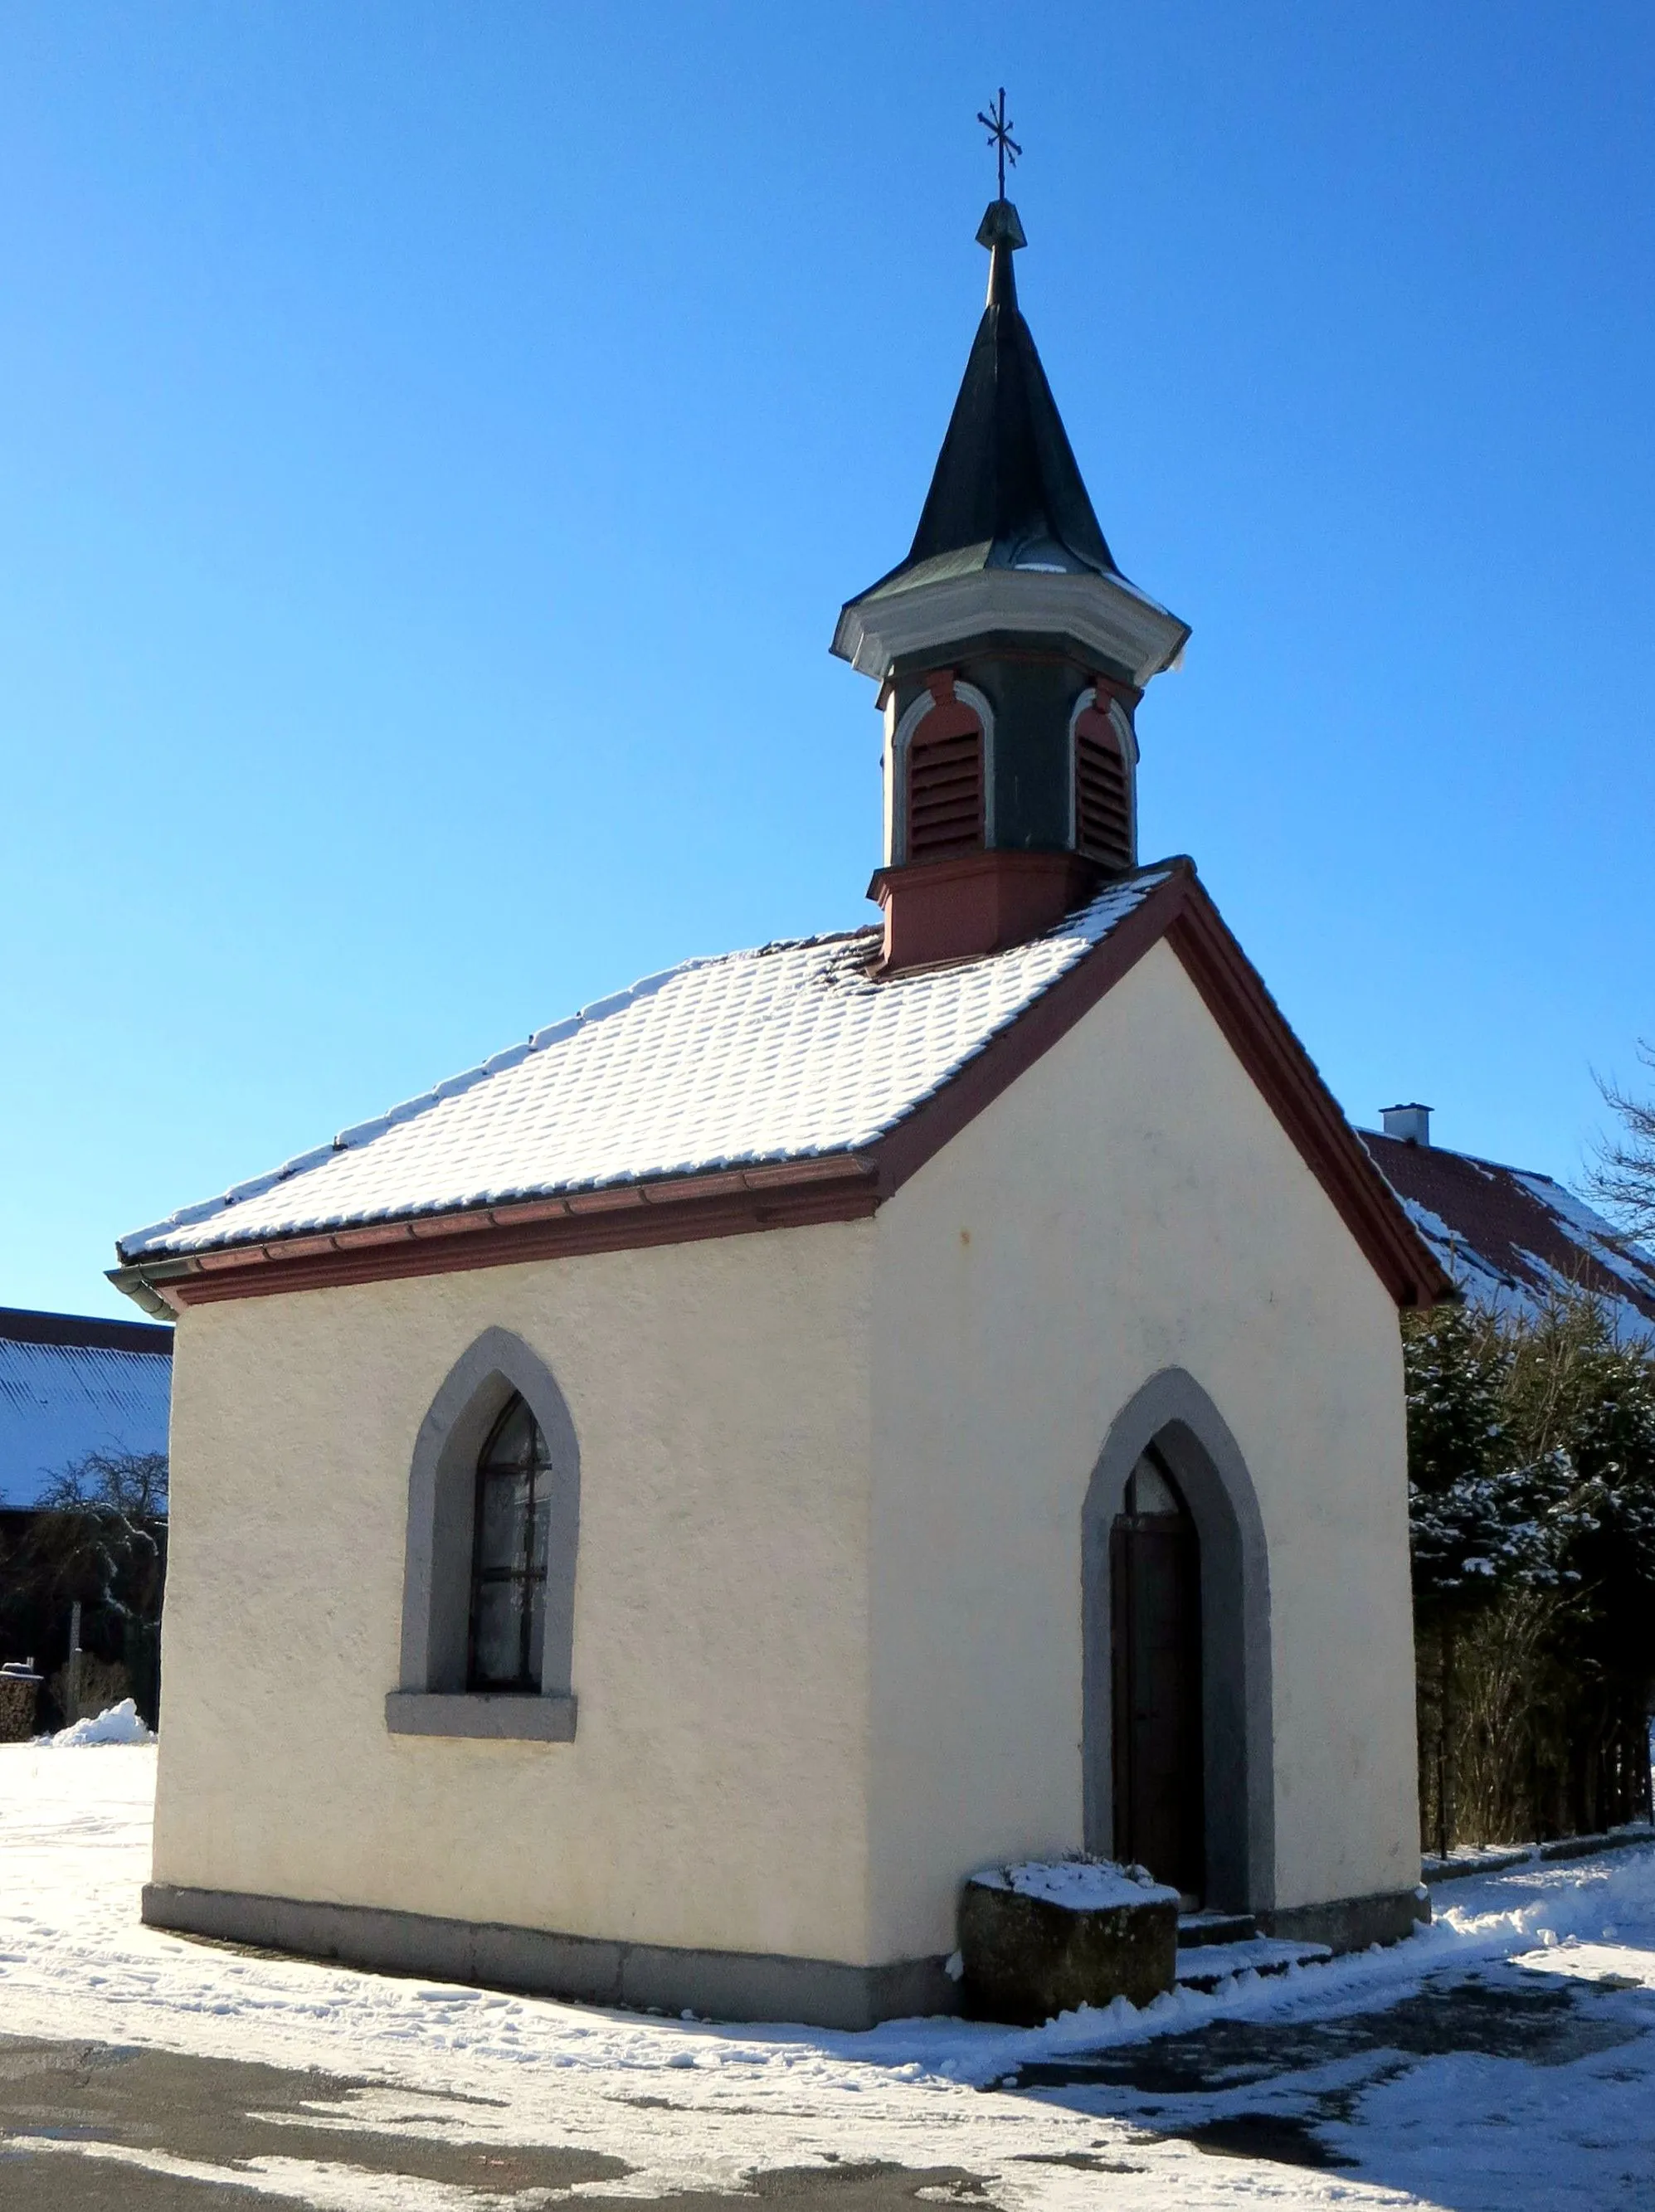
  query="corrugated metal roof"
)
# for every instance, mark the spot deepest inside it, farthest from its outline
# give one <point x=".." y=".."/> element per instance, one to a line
<point x="61" y="1399"/>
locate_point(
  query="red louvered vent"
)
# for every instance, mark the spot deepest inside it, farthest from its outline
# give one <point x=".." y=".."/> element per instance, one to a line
<point x="1103" y="808"/>
<point x="945" y="784"/>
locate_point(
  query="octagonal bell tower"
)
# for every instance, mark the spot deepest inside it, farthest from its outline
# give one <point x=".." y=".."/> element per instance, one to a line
<point x="1011" y="654"/>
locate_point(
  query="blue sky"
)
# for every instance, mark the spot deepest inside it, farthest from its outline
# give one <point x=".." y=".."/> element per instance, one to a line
<point x="436" y="440"/>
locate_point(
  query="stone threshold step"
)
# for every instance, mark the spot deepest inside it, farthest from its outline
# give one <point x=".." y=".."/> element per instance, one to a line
<point x="1198" y="1928"/>
<point x="1207" y="1965"/>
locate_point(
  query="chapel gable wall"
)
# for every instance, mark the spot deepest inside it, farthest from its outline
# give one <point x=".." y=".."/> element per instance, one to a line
<point x="1129" y="1207"/>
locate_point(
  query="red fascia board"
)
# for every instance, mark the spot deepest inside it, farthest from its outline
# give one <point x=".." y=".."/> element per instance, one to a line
<point x="685" y="1210"/>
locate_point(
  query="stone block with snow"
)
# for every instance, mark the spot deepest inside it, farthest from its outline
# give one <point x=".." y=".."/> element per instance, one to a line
<point x="1050" y="1935"/>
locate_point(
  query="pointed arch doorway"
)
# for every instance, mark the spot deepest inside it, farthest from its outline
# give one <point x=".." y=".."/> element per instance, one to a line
<point x="1155" y="1665"/>
<point x="1227" y="1733"/>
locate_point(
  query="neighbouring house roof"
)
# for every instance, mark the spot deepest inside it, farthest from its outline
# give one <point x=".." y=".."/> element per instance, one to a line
<point x="70" y="1385"/>
<point x="1511" y="1239"/>
<point x="787" y="1083"/>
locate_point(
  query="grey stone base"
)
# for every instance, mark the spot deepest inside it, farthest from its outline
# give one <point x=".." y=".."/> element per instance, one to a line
<point x="718" y="1984"/>
<point x="1351" y="1924"/>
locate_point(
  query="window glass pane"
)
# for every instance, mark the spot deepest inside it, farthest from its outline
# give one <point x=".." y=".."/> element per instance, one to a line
<point x="517" y="1441"/>
<point x="537" y="1594"/>
<point x="1154" y="1492"/>
<point x="499" y="1636"/>
<point x="500" y="1523"/>
<point x="539" y="1533"/>
<point x="508" y="1577"/>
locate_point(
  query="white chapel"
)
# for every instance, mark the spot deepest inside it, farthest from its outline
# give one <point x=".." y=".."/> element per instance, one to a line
<point x="682" y="1496"/>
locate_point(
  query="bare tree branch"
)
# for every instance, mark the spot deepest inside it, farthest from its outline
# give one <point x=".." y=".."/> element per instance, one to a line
<point x="100" y="1533"/>
<point x="1622" y="1179"/>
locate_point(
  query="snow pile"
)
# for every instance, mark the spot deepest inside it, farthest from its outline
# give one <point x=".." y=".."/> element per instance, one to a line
<point x="119" y="1724"/>
<point x="1081" y="1885"/>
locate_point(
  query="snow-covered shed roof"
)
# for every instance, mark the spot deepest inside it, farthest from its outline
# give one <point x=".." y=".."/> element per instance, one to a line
<point x="71" y="1384"/>
<point x="791" y="1083"/>
<point x="1509" y="1238"/>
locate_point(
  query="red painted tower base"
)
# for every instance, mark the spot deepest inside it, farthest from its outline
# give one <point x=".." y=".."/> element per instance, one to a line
<point x="938" y="910"/>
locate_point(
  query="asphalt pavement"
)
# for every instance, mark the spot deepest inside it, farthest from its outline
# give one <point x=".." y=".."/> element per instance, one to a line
<point x="98" y="2127"/>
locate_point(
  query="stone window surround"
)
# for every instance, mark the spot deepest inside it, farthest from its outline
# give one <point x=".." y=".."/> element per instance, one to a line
<point x="431" y="1699"/>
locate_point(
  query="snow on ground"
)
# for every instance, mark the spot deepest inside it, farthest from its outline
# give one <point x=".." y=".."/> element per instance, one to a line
<point x="1503" y="2061"/>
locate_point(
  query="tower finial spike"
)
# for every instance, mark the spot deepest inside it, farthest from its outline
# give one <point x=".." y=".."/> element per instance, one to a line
<point x="1001" y="231"/>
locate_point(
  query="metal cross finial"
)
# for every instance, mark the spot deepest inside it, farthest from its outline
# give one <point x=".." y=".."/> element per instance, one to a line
<point x="999" y="136"/>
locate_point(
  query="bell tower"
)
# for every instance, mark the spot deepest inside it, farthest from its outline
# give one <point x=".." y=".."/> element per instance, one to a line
<point x="1011" y="654"/>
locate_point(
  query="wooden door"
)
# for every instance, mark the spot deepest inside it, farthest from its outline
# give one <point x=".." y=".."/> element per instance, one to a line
<point x="1155" y="1635"/>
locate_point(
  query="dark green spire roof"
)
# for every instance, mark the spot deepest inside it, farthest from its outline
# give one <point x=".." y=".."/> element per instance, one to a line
<point x="1007" y="480"/>
<point x="1007" y="539"/>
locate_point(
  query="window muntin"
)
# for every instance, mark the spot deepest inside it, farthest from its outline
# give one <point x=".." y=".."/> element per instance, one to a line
<point x="509" y="1554"/>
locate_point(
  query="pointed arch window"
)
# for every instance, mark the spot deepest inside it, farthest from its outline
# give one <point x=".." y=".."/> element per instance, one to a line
<point x="508" y="1555"/>
<point x="489" y="1578"/>
<point x="1103" y="786"/>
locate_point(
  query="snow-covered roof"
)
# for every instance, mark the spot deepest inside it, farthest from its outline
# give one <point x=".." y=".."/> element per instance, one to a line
<point x="792" y="1052"/>
<point x="1510" y="1239"/>
<point x="70" y="1385"/>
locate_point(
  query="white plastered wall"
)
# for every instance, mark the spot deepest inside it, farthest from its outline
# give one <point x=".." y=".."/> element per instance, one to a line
<point x="1128" y="1205"/>
<point x="715" y="1792"/>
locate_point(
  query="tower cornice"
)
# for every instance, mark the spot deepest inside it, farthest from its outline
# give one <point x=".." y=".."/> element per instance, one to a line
<point x="1106" y="617"/>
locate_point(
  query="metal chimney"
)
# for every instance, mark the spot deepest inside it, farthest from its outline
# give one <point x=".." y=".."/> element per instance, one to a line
<point x="1412" y="1124"/>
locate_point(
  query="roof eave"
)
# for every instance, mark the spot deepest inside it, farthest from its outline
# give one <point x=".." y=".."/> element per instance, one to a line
<point x="142" y="1284"/>
<point x="666" y="1210"/>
